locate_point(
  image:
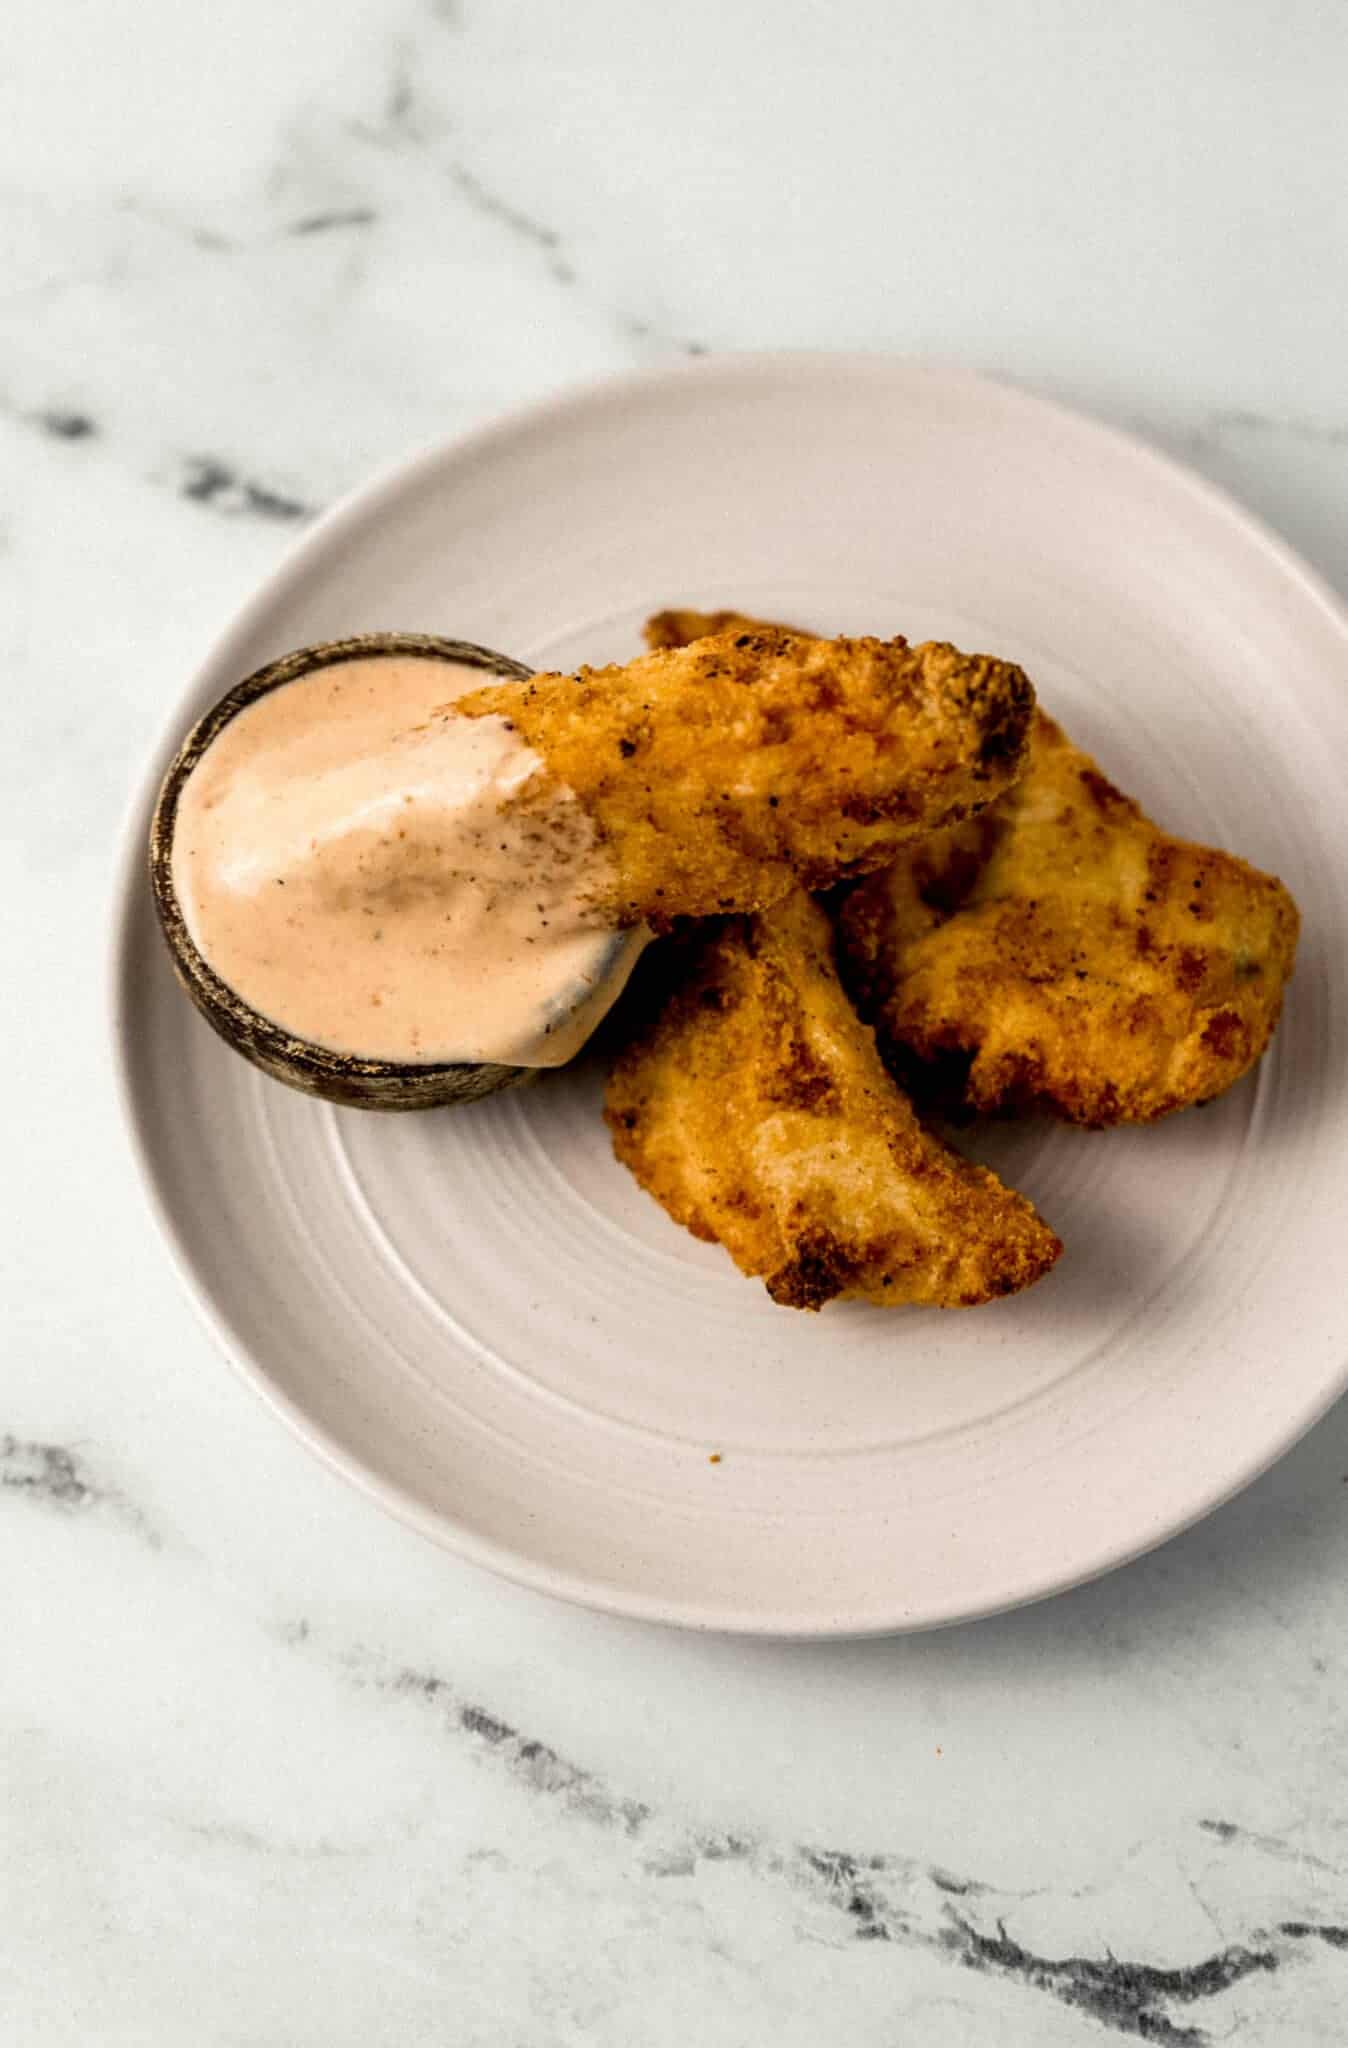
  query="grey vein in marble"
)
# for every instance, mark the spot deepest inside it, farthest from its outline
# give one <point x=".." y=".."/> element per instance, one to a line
<point x="46" y="1471"/>
<point x="1268" y="1845"/>
<point x="204" y="480"/>
<point x="408" y="119"/>
<point x="886" y="1897"/>
<point x="406" y="116"/>
<point x="325" y="222"/>
<point x="210" y="481"/>
<point x="193" y="232"/>
<point x="532" y="1763"/>
<point x="647" y="332"/>
<point x="51" y="1475"/>
<point x="56" y="422"/>
<point x="65" y="426"/>
<point x="1314" y="1930"/>
<point x="1234" y="421"/>
<point x="1128" y="1997"/>
<point x="519" y="224"/>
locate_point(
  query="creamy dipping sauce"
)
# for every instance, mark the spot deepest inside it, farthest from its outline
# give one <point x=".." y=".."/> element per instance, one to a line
<point x="386" y="879"/>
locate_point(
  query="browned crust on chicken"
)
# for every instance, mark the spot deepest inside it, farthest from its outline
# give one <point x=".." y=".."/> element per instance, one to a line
<point x="1060" y="952"/>
<point x="721" y="773"/>
<point x="677" y="628"/>
<point x="757" y="1111"/>
<point x="1063" y="953"/>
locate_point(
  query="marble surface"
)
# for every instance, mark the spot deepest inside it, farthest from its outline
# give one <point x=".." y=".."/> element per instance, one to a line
<point x="275" y="1771"/>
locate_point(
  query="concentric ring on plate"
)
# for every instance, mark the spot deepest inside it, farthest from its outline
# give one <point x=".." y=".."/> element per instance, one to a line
<point x="1001" y="1489"/>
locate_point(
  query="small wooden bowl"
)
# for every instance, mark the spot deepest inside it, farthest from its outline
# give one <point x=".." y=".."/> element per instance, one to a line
<point x="335" y="1076"/>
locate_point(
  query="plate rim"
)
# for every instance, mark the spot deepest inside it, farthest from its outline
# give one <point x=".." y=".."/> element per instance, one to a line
<point x="128" y="878"/>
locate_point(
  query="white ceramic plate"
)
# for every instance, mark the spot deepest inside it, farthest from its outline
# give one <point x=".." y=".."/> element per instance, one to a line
<point x="476" y="1314"/>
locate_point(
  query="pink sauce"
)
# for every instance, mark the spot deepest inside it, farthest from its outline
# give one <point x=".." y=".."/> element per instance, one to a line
<point x="382" y="877"/>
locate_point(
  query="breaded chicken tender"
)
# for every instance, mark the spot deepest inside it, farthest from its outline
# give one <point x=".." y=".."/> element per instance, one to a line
<point x="1062" y="953"/>
<point x="720" y="773"/>
<point x="757" y="1111"/>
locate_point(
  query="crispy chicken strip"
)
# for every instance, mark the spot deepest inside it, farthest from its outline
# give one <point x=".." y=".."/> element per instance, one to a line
<point x="1063" y="953"/>
<point x="719" y="773"/>
<point x="757" y="1111"/>
<point x="1060" y="952"/>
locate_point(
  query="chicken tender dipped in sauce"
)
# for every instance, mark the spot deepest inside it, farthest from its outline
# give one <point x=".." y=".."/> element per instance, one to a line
<point x="722" y="774"/>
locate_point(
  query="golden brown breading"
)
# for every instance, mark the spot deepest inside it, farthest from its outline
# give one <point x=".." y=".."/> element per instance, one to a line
<point x="681" y="628"/>
<point x="757" y="1111"/>
<point x="719" y="773"/>
<point x="1063" y="953"/>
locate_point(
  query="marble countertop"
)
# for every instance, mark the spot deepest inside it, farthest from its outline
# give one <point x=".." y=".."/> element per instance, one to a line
<point x="276" y="1771"/>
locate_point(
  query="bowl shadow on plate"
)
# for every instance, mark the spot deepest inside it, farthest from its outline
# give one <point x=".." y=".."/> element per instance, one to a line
<point x="1307" y="1087"/>
<point x="1102" y="1273"/>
